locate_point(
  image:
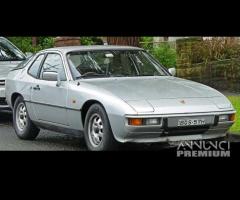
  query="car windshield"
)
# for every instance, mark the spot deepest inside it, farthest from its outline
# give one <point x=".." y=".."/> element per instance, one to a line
<point x="113" y="63"/>
<point x="8" y="52"/>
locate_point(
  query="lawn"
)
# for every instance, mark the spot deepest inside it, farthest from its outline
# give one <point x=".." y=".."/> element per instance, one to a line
<point x="236" y="104"/>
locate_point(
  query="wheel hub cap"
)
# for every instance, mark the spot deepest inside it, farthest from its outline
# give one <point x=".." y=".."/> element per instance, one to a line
<point x="21" y="117"/>
<point x="95" y="130"/>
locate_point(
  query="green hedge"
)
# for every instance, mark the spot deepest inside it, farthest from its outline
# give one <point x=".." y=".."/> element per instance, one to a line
<point x="163" y="52"/>
<point x="25" y="43"/>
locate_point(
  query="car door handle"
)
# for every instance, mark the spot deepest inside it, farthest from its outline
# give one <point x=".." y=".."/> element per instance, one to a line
<point x="36" y="88"/>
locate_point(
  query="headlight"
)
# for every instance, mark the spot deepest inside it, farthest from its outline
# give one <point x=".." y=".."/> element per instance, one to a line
<point x="153" y="121"/>
<point x="225" y="118"/>
<point x="144" y="121"/>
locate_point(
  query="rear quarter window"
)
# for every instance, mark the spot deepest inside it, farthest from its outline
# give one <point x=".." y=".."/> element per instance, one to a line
<point x="24" y="63"/>
<point x="35" y="67"/>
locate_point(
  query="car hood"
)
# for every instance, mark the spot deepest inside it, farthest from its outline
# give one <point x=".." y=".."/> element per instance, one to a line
<point x="163" y="94"/>
<point x="6" y="67"/>
<point x="153" y="88"/>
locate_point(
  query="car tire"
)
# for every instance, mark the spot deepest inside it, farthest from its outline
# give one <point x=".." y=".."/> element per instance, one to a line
<point x="23" y="126"/>
<point x="97" y="130"/>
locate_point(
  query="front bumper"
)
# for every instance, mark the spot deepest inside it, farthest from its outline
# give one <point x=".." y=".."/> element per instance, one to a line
<point x="162" y="133"/>
<point x="3" y="103"/>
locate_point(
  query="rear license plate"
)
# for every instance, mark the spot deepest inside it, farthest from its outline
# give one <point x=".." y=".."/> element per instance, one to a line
<point x="191" y="122"/>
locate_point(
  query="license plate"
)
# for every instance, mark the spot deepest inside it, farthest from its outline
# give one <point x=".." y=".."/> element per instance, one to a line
<point x="191" y="122"/>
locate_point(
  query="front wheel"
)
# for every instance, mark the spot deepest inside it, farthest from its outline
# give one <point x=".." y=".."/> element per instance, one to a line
<point x="22" y="124"/>
<point x="97" y="130"/>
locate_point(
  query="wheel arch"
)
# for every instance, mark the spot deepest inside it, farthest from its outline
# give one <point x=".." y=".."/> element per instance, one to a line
<point x="86" y="107"/>
<point x="14" y="98"/>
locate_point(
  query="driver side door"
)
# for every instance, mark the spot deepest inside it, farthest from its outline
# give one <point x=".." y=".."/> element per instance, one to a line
<point x="49" y="100"/>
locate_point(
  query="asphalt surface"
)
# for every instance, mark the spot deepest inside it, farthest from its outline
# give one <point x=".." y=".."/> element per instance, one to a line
<point x="46" y="141"/>
<point x="52" y="141"/>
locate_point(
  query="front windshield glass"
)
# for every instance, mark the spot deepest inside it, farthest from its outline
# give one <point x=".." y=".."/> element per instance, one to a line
<point x="8" y="52"/>
<point x="111" y="63"/>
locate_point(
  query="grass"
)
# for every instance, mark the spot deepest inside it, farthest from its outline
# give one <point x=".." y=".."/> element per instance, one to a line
<point x="236" y="104"/>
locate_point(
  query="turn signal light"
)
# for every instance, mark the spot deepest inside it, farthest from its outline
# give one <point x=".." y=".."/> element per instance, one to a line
<point x="135" y="121"/>
<point x="232" y="117"/>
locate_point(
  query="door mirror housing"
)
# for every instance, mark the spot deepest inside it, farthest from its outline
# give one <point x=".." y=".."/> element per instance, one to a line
<point x="50" y="76"/>
<point x="172" y="71"/>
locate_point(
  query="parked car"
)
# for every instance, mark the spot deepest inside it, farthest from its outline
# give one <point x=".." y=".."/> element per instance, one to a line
<point x="112" y="95"/>
<point x="10" y="57"/>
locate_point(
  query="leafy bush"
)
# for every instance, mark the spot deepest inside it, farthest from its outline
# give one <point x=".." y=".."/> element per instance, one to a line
<point x="146" y="43"/>
<point x="163" y="52"/>
<point x="25" y="43"/>
<point x="45" y="42"/>
<point x="198" y="50"/>
<point x="90" y="41"/>
<point x="166" y="55"/>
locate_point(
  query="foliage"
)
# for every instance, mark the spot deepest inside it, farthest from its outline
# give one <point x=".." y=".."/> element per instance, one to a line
<point x="235" y="100"/>
<point x="146" y="43"/>
<point x="25" y="43"/>
<point x="163" y="52"/>
<point x="45" y="42"/>
<point x="90" y="41"/>
<point x="196" y="50"/>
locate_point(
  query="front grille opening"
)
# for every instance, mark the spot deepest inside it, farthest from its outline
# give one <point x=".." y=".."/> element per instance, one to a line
<point x="187" y="131"/>
<point x="2" y="82"/>
<point x="3" y="101"/>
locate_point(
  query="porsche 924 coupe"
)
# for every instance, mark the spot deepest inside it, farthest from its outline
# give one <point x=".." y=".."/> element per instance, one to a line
<point x="112" y="95"/>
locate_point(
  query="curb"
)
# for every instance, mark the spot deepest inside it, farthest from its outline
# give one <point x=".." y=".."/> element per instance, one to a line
<point x="233" y="137"/>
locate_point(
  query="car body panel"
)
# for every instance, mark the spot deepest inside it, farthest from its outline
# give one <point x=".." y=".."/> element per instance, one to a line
<point x="165" y="97"/>
<point x="5" y="68"/>
<point x="142" y="88"/>
<point x="50" y="97"/>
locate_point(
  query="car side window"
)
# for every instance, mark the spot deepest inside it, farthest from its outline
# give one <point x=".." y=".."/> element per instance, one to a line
<point x="53" y="63"/>
<point x="35" y="67"/>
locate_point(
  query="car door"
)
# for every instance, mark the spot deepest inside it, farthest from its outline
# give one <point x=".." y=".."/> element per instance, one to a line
<point x="48" y="99"/>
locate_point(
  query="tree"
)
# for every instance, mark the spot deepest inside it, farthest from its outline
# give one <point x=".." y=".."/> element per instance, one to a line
<point x="128" y="41"/>
<point x="34" y="41"/>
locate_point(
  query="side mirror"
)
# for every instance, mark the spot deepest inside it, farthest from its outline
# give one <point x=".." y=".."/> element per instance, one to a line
<point x="50" y="76"/>
<point x="28" y="54"/>
<point x="172" y="71"/>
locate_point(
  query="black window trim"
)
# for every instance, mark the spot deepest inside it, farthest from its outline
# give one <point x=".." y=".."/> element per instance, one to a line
<point x="40" y="66"/>
<point x="163" y="68"/>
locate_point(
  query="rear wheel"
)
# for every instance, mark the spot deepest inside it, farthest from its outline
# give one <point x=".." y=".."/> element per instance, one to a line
<point x="22" y="124"/>
<point x="97" y="130"/>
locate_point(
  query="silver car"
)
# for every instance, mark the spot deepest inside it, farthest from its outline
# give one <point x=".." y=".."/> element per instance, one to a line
<point x="112" y="95"/>
<point x="10" y="57"/>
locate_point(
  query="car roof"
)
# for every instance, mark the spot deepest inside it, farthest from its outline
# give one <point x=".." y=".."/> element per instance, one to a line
<point x="3" y="38"/>
<point x="67" y="49"/>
